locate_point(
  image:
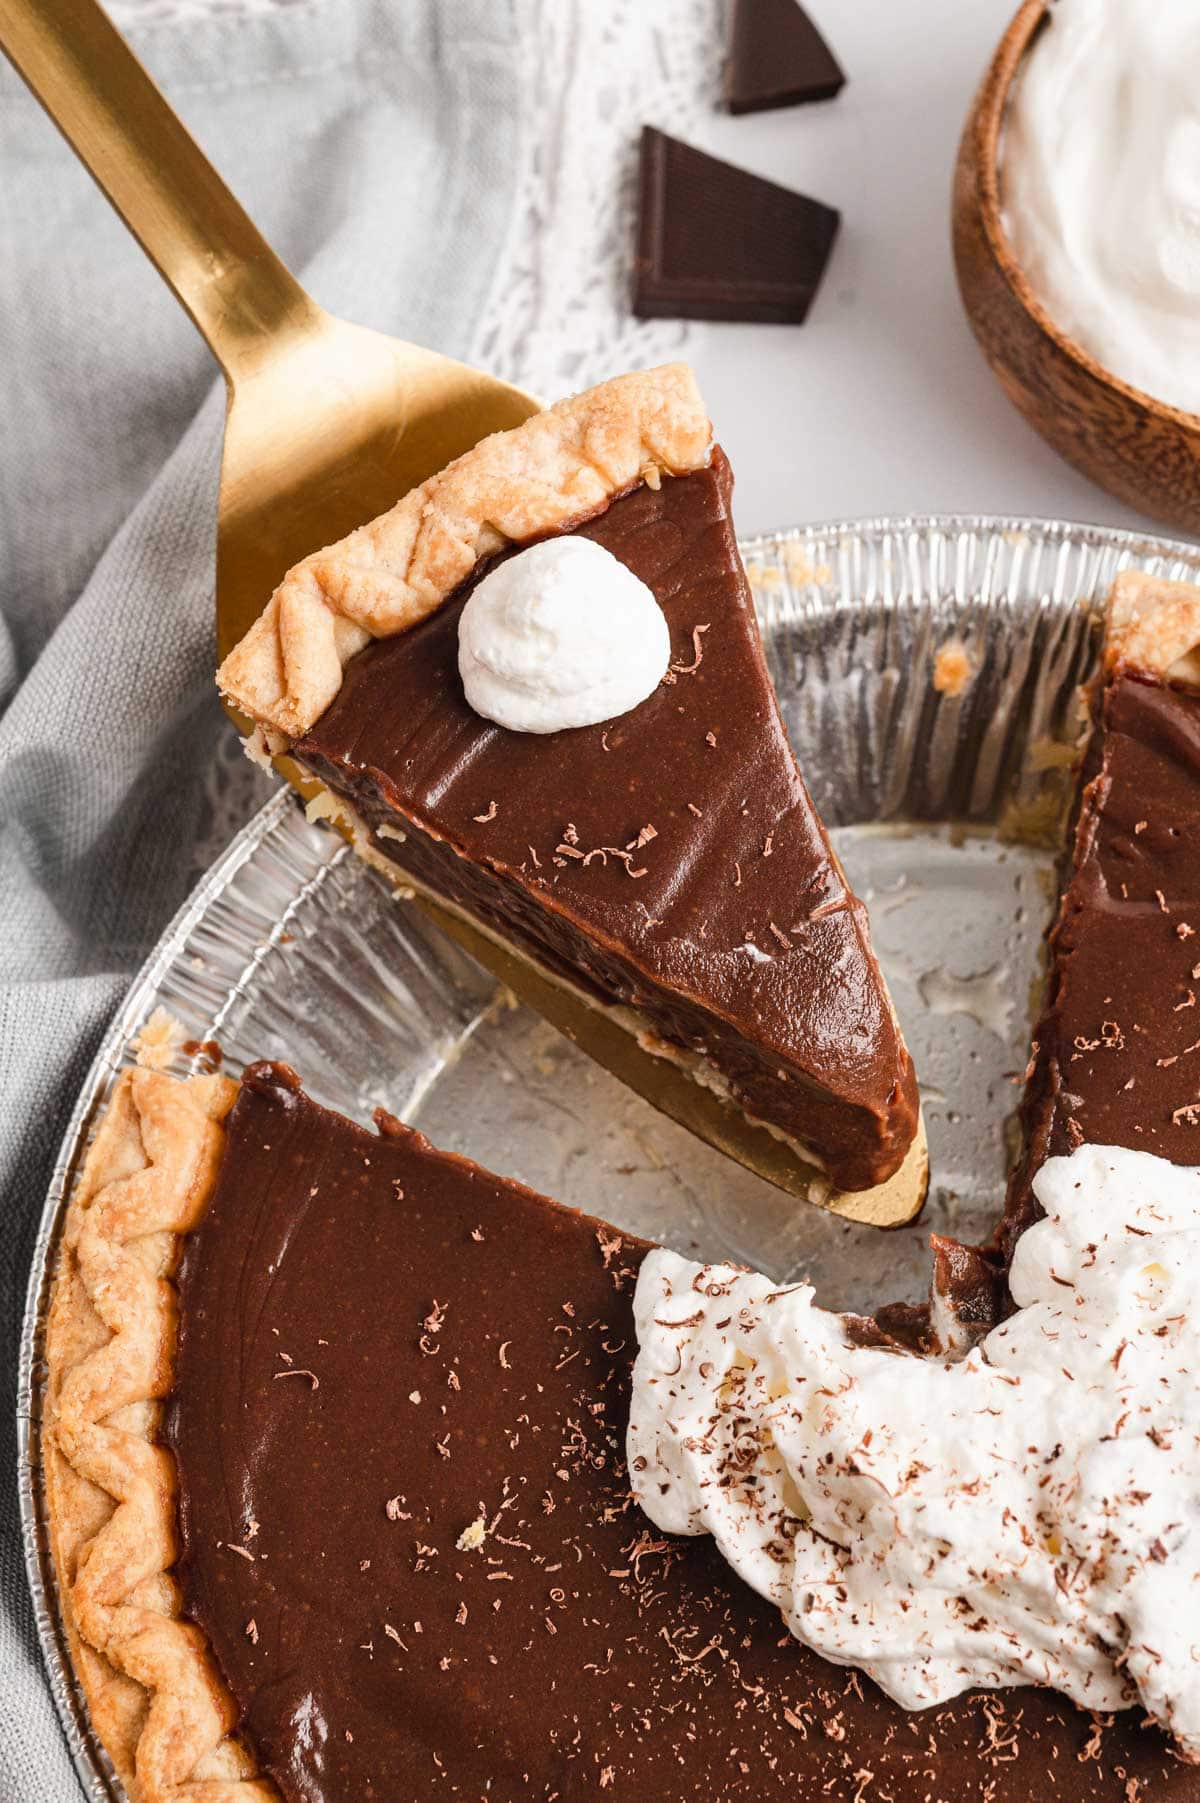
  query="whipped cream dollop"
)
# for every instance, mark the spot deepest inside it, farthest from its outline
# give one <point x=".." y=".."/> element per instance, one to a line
<point x="1100" y="181"/>
<point x="561" y="635"/>
<point x="1028" y="1513"/>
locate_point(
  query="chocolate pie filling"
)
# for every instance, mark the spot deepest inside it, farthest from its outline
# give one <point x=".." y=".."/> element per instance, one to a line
<point x="1117" y="1049"/>
<point x="406" y="1530"/>
<point x="402" y="1384"/>
<point x="671" y="860"/>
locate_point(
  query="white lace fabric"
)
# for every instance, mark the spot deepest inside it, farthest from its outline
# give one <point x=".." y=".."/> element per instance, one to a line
<point x="560" y="317"/>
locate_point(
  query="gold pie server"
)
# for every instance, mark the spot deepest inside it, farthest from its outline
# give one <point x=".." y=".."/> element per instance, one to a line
<point x="327" y="423"/>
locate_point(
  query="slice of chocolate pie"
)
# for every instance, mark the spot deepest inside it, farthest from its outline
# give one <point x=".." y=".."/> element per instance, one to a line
<point x="1115" y="1059"/>
<point x="1117" y="1049"/>
<point x="334" y="1453"/>
<point x="667" y="863"/>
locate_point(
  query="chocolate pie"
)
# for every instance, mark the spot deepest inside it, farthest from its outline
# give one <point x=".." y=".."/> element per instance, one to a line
<point x="334" y="1424"/>
<point x="667" y="865"/>
<point x="334" y="1459"/>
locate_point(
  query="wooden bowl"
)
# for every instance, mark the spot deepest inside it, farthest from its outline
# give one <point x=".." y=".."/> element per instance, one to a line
<point x="1139" y="449"/>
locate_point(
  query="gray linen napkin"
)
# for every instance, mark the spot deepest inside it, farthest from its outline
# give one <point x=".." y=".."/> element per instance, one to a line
<point x="375" y="142"/>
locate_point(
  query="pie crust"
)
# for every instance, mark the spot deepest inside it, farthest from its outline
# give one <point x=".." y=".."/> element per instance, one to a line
<point x="559" y="467"/>
<point x="1154" y="625"/>
<point x="157" y="1701"/>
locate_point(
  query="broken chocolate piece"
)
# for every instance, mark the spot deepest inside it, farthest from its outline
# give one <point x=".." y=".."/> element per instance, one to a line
<point x="715" y="242"/>
<point x="777" y="57"/>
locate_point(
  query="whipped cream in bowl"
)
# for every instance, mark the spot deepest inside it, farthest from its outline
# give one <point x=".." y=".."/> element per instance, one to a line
<point x="1028" y="1513"/>
<point x="561" y="635"/>
<point x="1100" y="185"/>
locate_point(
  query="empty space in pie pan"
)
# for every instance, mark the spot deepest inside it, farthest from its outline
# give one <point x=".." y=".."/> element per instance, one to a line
<point x="928" y="672"/>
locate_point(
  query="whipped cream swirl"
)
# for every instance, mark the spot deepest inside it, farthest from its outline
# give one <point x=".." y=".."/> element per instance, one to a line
<point x="1029" y="1513"/>
<point x="1101" y="186"/>
<point x="561" y="635"/>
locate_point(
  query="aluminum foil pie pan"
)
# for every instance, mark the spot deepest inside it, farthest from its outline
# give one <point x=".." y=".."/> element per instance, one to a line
<point x="928" y="671"/>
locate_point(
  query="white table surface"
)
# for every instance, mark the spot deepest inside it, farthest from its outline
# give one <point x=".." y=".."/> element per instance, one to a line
<point x="881" y="402"/>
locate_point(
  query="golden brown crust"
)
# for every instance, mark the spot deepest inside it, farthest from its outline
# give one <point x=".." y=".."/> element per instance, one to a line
<point x="558" y="467"/>
<point x="157" y="1701"/>
<point x="1154" y="625"/>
